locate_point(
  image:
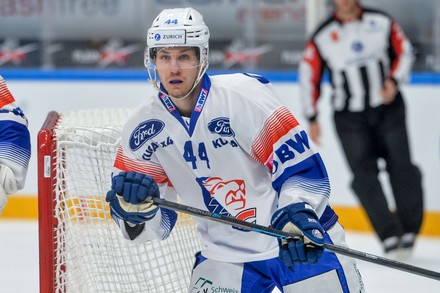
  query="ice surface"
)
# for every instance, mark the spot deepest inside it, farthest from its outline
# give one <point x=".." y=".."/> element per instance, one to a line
<point x="19" y="262"/>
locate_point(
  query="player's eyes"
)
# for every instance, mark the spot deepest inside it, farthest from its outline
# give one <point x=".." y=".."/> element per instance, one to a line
<point x="182" y="58"/>
<point x="164" y="57"/>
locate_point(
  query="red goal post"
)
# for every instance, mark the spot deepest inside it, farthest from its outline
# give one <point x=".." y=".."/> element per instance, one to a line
<point x="81" y="248"/>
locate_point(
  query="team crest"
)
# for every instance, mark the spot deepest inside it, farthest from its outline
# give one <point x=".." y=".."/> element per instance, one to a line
<point x="219" y="194"/>
<point x="233" y="192"/>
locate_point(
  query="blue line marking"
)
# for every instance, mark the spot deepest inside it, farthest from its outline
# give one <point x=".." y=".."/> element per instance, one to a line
<point x="139" y="74"/>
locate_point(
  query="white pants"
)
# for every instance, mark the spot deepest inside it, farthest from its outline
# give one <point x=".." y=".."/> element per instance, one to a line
<point x="332" y="273"/>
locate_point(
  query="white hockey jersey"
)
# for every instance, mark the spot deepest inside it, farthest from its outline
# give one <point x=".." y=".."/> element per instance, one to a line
<point x="15" y="146"/>
<point x="242" y="153"/>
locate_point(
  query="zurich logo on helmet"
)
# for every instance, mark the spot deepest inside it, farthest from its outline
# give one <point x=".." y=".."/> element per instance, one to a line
<point x="157" y="37"/>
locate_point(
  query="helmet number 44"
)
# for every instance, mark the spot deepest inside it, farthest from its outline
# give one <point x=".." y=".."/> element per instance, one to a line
<point x="171" y="21"/>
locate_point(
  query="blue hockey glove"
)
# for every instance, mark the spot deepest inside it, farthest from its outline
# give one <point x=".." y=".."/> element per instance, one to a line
<point x="299" y="219"/>
<point x="130" y="197"/>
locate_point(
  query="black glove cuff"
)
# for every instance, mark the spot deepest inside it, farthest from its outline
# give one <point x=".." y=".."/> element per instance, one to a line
<point x="134" y="231"/>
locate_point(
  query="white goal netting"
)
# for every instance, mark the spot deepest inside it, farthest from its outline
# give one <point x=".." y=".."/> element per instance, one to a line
<point x="90" y="253"/>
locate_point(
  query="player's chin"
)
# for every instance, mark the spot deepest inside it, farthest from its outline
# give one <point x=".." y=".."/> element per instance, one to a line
<point x="177" y="93"/>
<point x="177" y="89"/>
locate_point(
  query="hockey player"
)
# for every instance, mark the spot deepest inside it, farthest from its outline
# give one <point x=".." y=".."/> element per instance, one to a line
<point x="226" y="144"/>
<point x="15" y="145"/>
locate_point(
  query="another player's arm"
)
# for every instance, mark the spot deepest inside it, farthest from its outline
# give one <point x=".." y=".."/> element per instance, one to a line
<point x="402" y="58"/>
<point x="15" y="146"/>
<point x="311" y="70"/>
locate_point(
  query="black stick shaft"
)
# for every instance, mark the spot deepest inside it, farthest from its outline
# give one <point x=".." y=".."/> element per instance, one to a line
<point x="281" y="234"/>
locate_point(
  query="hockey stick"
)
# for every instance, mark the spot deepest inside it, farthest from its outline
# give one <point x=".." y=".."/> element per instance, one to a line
<point x="281" y="234"/>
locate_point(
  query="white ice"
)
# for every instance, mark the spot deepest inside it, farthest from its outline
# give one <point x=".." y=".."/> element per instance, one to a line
<point x="19" y="262"/>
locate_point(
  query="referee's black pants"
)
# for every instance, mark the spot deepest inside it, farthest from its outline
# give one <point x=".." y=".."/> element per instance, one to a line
<point x="381" y="133"/>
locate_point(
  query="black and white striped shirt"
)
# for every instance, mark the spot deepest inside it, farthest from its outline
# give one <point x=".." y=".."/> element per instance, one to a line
<point x="359" y="56"/>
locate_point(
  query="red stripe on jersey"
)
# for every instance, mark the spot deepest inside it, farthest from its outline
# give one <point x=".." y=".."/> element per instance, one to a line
<point x="124" y="163"/>
<point x="311" y="57"/>
<point x="5" y="96"/>
<point x="276" y="126"/>
<point x="397" y="39"/>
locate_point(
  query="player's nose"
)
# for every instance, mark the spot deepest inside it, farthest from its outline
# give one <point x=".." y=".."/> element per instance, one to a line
<point x="174" y="65"/>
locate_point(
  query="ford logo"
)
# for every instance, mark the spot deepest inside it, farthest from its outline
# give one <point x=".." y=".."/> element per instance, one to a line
<point x="145" y="131"/>
<point x="221" y="126"/>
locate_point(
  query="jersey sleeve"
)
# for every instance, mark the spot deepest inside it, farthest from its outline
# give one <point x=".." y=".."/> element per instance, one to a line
<point x="163" y="222"/>
<point x="402" y="53"/>
<point x="311" y="68"/>
<point x="15" y="145"/>
<point x="279" y="142"/>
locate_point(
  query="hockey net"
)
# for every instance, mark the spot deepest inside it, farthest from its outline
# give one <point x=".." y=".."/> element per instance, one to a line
<point x="81" y="248"/>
